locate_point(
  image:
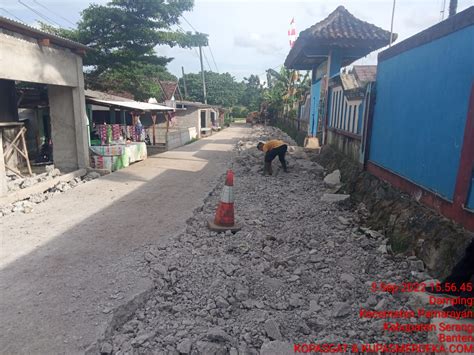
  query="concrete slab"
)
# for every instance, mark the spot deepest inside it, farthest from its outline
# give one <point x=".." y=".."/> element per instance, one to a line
<point x="334" y="197"/>
<point x="40" y="187"/>
<point x="66" y="266"/>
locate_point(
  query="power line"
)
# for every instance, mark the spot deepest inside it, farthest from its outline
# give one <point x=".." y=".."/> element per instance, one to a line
<point x="212" y="55"/>
<point x="39" y="14"/>
<point x="207" y="61"/>
<point x="54" y="13"/>
<point x="209" y="44"/>
<point x="189" y="23"/>
<point x="11" y="14"/>
<point x="183" y="31"/>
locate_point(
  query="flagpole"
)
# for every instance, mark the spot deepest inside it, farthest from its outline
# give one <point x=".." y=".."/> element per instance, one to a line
<point x="391" y="26"/>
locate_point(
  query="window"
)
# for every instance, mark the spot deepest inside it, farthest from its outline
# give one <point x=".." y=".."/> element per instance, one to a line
<point x="203" y="119"/>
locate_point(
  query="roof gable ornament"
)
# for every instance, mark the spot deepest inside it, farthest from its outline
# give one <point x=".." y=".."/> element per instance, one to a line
<point x="341" y="31"/>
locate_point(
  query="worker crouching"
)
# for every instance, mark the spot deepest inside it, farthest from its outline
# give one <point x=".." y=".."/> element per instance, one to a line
<point x="272" y="149"/>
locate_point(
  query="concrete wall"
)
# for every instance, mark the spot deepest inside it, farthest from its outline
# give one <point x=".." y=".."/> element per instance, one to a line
<point x="421" y="109"/>
<point x="63" y="128"/>
<point x="187" y="118"/>
<point x="191" y="117"/>
<point x="349" y="146"/>
<point x="179" y="138"/>
<point x="23" y="59"/>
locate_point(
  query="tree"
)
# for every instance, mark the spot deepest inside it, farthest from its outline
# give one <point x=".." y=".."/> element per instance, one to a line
<point x="252" y="95"/>
<point x="123" y="35"/>
<point x="222" y="89"/>
<point x="285" y="90"/>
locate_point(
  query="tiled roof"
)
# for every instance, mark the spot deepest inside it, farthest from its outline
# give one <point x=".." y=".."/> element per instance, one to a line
<point x="341" y="31"/>
<point x="341" y="24"/>
<point x="169" y="88"/>
<point x="365" y="73"/>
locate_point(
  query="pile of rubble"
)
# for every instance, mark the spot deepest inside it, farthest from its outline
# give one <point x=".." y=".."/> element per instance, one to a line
<point x="15" y="183"/>
<point x="298" y="271"/>
<point x="27" y="205"/>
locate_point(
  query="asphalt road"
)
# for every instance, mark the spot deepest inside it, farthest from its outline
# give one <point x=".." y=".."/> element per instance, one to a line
<point x="67" y="265"/>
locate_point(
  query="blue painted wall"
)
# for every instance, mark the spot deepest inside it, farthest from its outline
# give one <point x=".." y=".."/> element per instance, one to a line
<point x="315" y="94"/>
<point x="421" y="109"/>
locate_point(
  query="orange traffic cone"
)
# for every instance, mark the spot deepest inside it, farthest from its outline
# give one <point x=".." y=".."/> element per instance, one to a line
<point x="224" y="219"/>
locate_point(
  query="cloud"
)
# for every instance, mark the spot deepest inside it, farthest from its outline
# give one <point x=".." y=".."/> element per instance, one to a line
<point x="267" y="44"/>
<point x="420" y="22"/>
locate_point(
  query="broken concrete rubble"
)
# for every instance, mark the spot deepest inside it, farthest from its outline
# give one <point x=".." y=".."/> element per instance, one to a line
<point x="27" y="205"/>
<point x="299" y="270"/>
<point x="333" y="179"/>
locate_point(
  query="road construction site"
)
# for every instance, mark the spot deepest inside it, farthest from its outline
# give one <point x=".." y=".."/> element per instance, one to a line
<point x="298" y="271"/>
<point x="127" y="264"/>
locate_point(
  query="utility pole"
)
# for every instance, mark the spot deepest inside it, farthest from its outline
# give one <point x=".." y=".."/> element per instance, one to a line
<point x="184" y="83"/>
<point x="391" y="26"/>
<point x="202" y="75"/>
<point x="453" y="6"/>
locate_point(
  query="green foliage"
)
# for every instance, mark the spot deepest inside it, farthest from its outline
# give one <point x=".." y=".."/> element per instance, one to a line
<point x="137" y="78"/>
<point x="195" y="139"/>
<point x="222" y="89"/>
<point x="284" y="90"/>
<point x="123" y="35"/>
<point x="239" y="112"/>
<point x="252" y="95"/>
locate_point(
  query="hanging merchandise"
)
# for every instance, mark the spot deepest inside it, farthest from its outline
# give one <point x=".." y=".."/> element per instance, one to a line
<point x="102" y="133"/>
<point x="109" y="134"/>
<point x="116" y="132"/>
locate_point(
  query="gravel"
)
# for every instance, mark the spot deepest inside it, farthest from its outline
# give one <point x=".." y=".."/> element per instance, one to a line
<point x="298" y="271"/>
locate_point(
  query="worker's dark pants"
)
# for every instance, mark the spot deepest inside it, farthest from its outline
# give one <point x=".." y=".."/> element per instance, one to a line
<point x="280" y="151"/>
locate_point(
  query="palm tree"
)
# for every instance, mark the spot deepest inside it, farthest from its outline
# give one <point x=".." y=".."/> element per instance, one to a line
<point x="286" y="89"/>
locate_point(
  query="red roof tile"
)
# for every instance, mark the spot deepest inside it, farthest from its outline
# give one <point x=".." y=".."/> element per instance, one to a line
<point x="340" y="30"/>
<point x="365" y="73"/>
<point x="341" y="24"/>
<point x="169" y="88"/>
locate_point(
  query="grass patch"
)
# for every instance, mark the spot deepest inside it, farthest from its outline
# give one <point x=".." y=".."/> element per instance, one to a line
<point x="192" y="141"/>
<point x="400" y="243"/>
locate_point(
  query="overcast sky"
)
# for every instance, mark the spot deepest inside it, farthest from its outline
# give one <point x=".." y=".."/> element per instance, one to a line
<point x="250" y="36"/>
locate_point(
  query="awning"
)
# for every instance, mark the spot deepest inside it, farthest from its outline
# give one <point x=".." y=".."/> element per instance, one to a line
<point x="133" y="105"/>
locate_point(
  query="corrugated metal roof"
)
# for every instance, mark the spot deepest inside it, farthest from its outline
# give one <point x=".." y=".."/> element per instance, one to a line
<point x="193" y="103"/>
<point x="103" y="95"/>
<point x="134" y="105"/>
<point x="18" y="27"/>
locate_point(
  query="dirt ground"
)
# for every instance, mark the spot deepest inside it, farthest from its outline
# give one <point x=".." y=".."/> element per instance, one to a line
<point x="73" y="259"/>
<point x="300" y="270"/>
